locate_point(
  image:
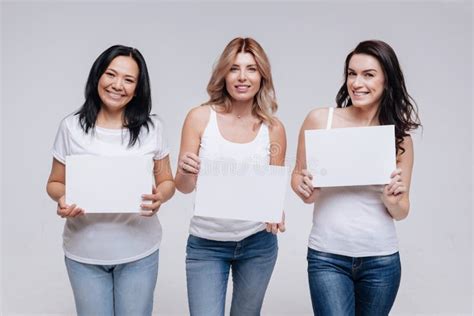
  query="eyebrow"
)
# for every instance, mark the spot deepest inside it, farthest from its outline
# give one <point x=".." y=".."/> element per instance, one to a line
<point x="366" y="70"/>
<point x="115" y="71"/>
<point x="250" y="65"/>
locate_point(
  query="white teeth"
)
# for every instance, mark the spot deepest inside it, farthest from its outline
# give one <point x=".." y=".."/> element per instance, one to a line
<point x="242" y="88"/>
<point x="114" y="95"/>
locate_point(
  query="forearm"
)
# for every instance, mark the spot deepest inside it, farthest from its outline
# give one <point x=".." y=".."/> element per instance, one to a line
<point x="55" y="190"/>
<point x="166" y="190"/>
<point x="399" y="210"/>
<point x="185" y="183"/>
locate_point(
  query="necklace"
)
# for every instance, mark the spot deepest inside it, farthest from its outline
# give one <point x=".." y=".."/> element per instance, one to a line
<point x="239" y="116"/>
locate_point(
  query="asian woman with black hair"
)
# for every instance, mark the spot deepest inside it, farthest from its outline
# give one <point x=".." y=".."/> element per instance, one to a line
<point x="112" y="259"/>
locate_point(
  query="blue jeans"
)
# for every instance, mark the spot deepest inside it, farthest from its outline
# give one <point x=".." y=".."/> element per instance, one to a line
<point x="341" y="285"/>
<point x="207" y="271"/>
<point x="122" y="289"/>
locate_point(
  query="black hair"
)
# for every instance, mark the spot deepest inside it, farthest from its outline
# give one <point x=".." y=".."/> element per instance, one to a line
<point x="137" y="111"/>
<point x="397" y="107"/>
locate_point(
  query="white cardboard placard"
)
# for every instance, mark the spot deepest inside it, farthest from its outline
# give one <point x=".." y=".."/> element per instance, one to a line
<point x="240" y="191"/>
<point x="101" y="184"/>
<point x="351" y="156"/>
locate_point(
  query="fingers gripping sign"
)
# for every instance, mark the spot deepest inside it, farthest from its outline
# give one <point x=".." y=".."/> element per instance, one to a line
<point x="275" y="227"/>
<point x="150" y="209"/>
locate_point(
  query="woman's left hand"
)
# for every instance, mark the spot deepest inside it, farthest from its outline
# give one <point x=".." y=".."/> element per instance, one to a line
<point x="393" y="192"/>
<point x="275" y="227"/>
<point x="152" y="208"/>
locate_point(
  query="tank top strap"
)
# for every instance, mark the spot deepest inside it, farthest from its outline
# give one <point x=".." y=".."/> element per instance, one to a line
<point x="330" y="115"/>
<point x="212" y="124"/>
<point x="264" y="133"/>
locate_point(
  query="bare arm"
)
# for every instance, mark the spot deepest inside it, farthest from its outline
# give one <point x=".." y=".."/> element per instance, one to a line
<point x="277" y="144"/>
<point x="301" y="179"/>
<point x="395" y="195"/>
<point x="164" y="189"/>
<point x="164" y="179"/>
<point x="56" y="188"/>
<point x="56" y="185"/>
<point x="189" y="162"/>
<point x="277" y="158"/>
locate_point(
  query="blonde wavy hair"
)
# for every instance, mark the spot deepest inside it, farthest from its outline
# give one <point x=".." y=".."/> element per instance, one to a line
<point x="264" y="105"/>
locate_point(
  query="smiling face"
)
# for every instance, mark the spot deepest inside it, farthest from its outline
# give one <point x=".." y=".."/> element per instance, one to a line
<point x="243" y="80"/>
<point x="118" y="83"/>
<point x="365" y="81"/>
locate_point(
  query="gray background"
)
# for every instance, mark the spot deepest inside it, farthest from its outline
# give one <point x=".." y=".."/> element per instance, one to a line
<point x="48" y="49"/>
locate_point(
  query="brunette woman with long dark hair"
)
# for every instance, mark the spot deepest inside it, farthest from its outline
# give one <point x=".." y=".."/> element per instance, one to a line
<point x="353" y="260"/>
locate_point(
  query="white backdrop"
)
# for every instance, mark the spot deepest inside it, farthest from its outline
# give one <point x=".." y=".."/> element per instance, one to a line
<point x="48" y="49"/>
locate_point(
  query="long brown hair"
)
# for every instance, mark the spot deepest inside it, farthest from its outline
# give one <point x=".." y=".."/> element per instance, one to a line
<point x="397" y="107"/>
<point x="264" y="105"/>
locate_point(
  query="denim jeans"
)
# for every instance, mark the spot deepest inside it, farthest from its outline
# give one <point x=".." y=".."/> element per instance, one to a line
<point x="207" y="270"/>
<point x="341" y="285"/>
<point x="122" y="289"/>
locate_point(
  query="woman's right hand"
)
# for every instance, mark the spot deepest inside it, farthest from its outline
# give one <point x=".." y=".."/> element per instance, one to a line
<point x="306" y="189"/>
<point x="65" y="210"/>
<point x="189" y="163"/>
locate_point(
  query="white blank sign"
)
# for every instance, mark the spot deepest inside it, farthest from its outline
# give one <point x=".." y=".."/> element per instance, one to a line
<point x="351" y="156"/>
<point x="241" y="191"/>
<point x="108" y="184"/>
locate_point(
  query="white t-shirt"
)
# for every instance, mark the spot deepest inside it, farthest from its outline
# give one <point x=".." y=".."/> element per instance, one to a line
<point x="116" y="238"/>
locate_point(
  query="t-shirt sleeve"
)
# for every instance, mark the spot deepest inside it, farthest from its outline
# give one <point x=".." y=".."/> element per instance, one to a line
<point x="61" y="143"/>
<point x="162" y="149"/>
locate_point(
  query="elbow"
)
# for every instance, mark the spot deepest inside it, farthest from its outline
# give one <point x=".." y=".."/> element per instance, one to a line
<point x="400" y="217"/>
<point x="185" y="191"/>
<point x="402" y="213"/>
<point x="172" y="189"/>
<point x="183" y="188"/>
<point x="185" y="184"/>
<point x="49" y="189"/>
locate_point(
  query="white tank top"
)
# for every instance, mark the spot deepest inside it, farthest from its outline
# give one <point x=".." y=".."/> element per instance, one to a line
<point x="214" y="146"/>
<point x="352" y="221"/>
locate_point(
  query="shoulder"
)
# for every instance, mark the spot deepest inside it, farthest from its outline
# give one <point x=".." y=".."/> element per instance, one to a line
<point x="276" y="128"/>
<point x="197" y="118"/>
<point x="157" y="121"/>
<point x="407" y="140"/>
<point x="316" y="118"/>
<point x="199" y="114"/>
<point x="70" y="123"/>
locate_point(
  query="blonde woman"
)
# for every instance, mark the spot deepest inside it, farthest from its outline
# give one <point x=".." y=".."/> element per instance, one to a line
<point x="237" y="124"/>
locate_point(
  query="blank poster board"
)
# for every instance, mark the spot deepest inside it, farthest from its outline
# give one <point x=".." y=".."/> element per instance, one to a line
<point x="351" y="156"/>
<point x="108" y="184"/>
